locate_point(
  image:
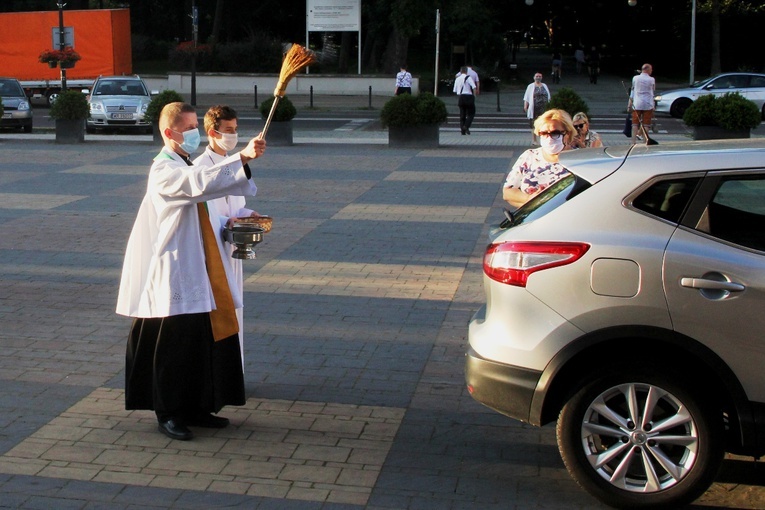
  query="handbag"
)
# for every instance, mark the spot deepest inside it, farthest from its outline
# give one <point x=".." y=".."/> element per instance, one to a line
<point x="628" y="126"/>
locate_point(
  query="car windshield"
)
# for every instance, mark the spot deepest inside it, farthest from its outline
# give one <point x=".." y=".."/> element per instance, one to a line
<point x="121" y="88"/>
<point x="549" y="199"/>
<point x="10" y="88"/>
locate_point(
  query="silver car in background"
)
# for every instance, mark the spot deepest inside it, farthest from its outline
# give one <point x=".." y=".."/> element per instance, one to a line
<point x="119" y="102"/>
<point x="749" y="85"/>
<point x="17" y="110"/>
<point x="627" y="303"/>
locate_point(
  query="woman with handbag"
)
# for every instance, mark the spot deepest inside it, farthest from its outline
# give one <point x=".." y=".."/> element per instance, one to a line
<point x="464" y="87"/>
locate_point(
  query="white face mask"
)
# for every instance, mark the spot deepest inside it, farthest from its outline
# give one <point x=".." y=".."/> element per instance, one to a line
<point x="227" y="141"/>
<point x="551" y="145"/>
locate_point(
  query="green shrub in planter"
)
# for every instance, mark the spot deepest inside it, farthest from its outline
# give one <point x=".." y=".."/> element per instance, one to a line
<point x="732" y="112"/>
<point x="285" y="110"/>
<point x="568" y="100"/>
<point x="70" y="105"/>
<point x="430" y="109"/>
<point x="409" y="110"/>
<point x="701" y="112"/>
<point x="160" y="101"/>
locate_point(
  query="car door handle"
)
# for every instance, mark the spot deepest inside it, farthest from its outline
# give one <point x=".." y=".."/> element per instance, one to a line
<point x="703" y="283"/>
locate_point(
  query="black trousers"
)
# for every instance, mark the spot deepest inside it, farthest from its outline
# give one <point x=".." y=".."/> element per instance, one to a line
<point x="467" y="113"/>
<point x="175" y="368"/>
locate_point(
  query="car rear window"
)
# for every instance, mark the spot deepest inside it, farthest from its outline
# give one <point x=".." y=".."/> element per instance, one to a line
<point x="549" y="200"/>
<point x="667" y="199"/>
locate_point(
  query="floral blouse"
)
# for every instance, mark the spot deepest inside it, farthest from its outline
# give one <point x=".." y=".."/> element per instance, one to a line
<point x="532" y="173"/>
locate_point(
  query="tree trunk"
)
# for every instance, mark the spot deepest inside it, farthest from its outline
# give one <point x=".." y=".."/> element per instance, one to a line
<point x="715" y="56"/>
<point x="345" y="51"/>
<point x="217" y="22"/>
<point x="396" y="52"/>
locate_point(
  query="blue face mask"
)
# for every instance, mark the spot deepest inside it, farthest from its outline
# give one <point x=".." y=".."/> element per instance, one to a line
<point x="191" y="139"/>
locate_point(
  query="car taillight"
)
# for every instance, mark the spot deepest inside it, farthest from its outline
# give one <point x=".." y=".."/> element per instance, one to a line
<point x="513" y="262"/>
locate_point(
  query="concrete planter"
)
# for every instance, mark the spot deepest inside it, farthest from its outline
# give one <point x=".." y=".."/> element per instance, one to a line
<point x="70" y="131"/>
<point x="718" y="133"/>
<point x="279" y="134"/>
<point x="425" y="136"/>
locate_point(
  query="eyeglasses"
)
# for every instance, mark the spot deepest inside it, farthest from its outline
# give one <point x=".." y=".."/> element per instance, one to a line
<point x="552" y="134"/>
<point x="579" y="126"/>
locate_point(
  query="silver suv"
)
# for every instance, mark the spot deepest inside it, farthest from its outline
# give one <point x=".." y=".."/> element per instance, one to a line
<point x="17" y="110"/>
<point x="627" y="302"/>
<point x="119" y="102"/>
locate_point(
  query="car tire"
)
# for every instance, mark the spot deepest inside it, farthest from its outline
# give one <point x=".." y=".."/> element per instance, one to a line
<point x="28" y="128"/>
<point x="667" y="462"/>
<point x="677" y="110"/>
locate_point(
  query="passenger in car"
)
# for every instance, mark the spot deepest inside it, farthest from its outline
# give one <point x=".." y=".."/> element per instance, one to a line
<point x="536" y="169"/>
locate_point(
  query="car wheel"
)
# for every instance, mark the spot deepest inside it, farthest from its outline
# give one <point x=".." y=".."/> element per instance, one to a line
<point x="679" y="106"/>
<point x="51" y="97"/>
<point x="28" y="128"/>
<point x="641" y="440"/>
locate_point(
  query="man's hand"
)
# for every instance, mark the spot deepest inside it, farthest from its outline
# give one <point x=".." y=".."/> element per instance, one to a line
<point x="254" y="149"/>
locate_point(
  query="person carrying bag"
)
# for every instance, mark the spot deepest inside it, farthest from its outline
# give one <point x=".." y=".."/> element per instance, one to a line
<point x="464" y="86"/>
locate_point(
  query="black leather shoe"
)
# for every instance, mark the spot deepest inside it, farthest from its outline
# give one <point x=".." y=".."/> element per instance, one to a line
<point x="175" y="429"/>
<point x="207" y="420"/>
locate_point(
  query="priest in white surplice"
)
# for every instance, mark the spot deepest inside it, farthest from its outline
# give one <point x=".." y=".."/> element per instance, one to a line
<point x="183" y="359"/>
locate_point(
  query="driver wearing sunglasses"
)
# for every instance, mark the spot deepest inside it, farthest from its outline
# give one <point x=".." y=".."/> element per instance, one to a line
<point x="585" y="137"/>
<point x="536" y="169"/>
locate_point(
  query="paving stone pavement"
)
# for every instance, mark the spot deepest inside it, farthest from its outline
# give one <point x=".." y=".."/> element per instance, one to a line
<point x="356" y="314"/>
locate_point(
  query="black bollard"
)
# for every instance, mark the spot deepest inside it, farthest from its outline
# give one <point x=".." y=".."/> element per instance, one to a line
<point x="370" y="97"/>
<point x="311" y="95"/>
<point x="498" y="108"/>
<point x="256" y="97"/>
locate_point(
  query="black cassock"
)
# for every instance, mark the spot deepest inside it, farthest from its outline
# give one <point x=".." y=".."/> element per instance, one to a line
<point x="174" y="367"/>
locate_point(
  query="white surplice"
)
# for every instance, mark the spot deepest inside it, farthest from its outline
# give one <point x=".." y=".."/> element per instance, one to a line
<point x="164" y="269"/>
<point x="227" y="207"/>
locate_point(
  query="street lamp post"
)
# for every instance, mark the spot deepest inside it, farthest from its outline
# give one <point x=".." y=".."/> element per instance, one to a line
<point x="693" y="38"/>
<point x="61" y="41"/>
<point x="195" y="37"/>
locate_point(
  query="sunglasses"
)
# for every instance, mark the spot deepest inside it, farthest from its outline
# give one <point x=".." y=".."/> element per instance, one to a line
<point x="579" y="126"/>
<point x="552" y="134"/>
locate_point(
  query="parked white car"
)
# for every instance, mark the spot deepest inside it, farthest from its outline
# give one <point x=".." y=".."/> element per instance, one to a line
<point x="749" y="85"/>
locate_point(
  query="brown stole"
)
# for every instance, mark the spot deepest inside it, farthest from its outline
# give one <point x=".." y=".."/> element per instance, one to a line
<point x="223" y="318"/>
